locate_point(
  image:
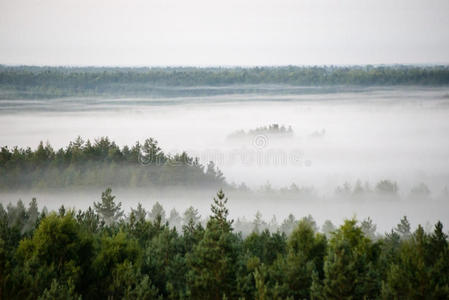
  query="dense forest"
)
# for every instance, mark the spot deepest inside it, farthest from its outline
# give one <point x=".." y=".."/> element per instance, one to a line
<point x="30" y="82"/>
<point x="102" y="163"/>
<point x="103" y="253"/>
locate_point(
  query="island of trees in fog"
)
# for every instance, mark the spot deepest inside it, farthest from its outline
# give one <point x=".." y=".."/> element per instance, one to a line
<point x="25" y="82"/>
<point x="270" y="131"/>
<point x="104" y="253"/>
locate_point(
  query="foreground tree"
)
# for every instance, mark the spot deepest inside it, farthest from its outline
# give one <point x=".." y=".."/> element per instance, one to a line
<point x="293" y="273"/>
<point x="422" y="268"/>
<point x="213" y="261"/>
<point x="59" y="250"/>
<point x="349" y="267"/>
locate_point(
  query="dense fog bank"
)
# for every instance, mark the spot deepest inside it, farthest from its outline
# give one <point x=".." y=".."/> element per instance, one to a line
<point x="338" y="143"/>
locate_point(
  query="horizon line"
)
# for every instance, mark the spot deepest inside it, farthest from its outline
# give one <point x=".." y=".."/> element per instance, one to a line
<point x="227" y="66"/>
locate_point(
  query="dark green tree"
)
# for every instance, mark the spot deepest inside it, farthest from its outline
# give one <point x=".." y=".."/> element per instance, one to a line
<point x="212" y="262"/>
<point x="293" y="273"/>
<point x="220" y="212"/>
<point x="421" y="270"/>
<point x="58" y="250"/>
<point x="350" y="266"/>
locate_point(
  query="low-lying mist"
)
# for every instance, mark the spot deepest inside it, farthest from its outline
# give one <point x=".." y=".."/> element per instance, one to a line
<point x="368" y="135"/>
<point x="384" y="209"/>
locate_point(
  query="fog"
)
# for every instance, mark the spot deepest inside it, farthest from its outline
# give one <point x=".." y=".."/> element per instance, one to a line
<point x="339" y="136"/>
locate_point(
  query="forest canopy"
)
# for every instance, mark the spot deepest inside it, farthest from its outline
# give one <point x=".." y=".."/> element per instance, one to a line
<point x="103" y="253"/>
<point x="48" y="82"/>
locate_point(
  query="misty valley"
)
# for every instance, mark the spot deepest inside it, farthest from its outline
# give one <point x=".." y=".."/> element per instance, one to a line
<point x="224" y="183"/>
<point x="224" y="150"/>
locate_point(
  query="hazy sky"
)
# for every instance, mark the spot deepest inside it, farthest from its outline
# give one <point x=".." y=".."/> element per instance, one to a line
<point x="225" y="32"/>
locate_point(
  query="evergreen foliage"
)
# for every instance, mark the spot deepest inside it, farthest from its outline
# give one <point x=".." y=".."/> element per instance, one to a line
<point x="68" y="255"/>
<point x="102" y="163"/>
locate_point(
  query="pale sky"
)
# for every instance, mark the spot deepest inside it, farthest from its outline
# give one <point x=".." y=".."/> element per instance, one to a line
<point x="223" y="33"/>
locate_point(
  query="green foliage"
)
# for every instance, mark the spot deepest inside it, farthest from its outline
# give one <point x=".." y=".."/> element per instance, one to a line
<point x="212" y="263"/>
<point x="129" y="283"/>
<point x="72" y="256"/>
<point x="421" y="269"/>
<point x="350" y="266"/>
<point x="112" y="259"/>
<point x="293" y="272"/>
<point x="58" y="250"/>
<point x="102" y="163"/>
<point x="220" y="212"/>
<point x="60" y="291"/>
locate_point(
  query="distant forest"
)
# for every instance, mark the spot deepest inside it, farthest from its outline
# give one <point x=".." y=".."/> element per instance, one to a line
<point x="103" y="253"/>
<point x="30" y="82"/>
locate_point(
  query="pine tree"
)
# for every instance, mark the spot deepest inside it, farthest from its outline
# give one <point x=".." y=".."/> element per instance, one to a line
<point x="191" y="215"/>
<point x="422" y="268"/>
<point x="220" y="212"/>
<point x="289" y="224"/>
<point x="32" y="216"/>
<point x="305" y="253"/>
<point x="140" y="212"/>
<point x="403" y="228"/>
<point x="212" y="264"/>
<point x="369" y="228"/>
<point x="107" y="208"/>
<point x="213" y="260"/>
<point x="349" y="269"/>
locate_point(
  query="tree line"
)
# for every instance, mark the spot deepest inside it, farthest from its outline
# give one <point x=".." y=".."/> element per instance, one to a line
<point x="101" y="253"/>
<point x="100" y="163"/>
<point x="45" y="82"/>
<point x="103" y="163"/>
